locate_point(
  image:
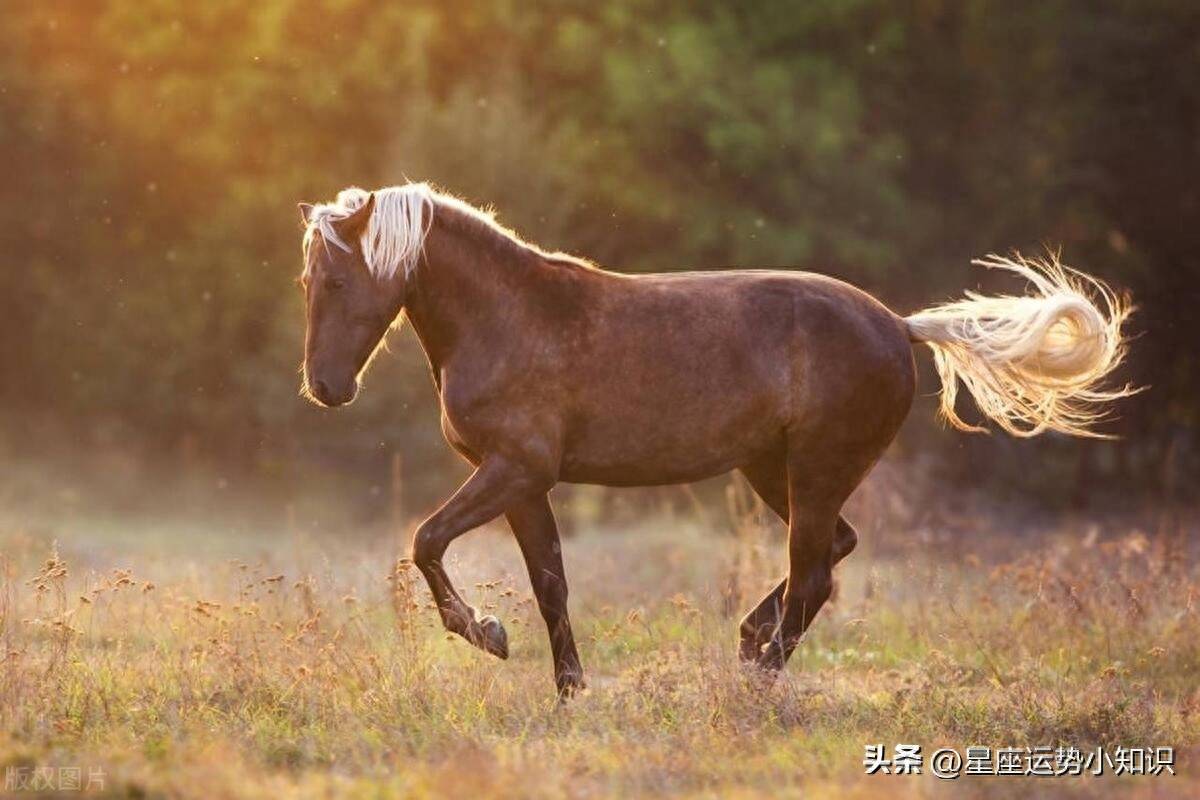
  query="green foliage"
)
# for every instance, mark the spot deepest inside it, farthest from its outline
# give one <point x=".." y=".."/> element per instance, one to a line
<point x="160" y="147"/>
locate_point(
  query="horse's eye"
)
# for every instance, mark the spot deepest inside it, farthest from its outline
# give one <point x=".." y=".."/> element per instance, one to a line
<point x="335" y="283"/>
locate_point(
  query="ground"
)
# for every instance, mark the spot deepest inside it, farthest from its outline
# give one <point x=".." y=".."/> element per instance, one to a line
<point x="281" y="663"/>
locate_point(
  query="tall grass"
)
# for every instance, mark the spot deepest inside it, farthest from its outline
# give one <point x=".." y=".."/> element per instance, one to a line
<point x="326" y="670"/>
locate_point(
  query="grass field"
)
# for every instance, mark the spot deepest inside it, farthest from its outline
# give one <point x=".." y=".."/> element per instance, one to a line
<point x="286" y="664"/>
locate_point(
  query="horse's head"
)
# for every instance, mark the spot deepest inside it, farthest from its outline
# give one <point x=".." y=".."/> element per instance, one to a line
<point x="349" y="305"/>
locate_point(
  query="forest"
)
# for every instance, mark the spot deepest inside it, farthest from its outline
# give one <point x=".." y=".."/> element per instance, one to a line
<point x="156" y="151"/>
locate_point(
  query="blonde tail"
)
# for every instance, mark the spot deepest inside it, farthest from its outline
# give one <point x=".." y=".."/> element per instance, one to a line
<point x="1031" y="363"/>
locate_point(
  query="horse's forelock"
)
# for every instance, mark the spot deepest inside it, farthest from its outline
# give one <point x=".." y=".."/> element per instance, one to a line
<point x="395" y="234"/>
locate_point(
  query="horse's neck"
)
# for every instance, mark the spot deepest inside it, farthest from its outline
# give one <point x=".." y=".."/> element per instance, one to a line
<point x="462" y="292"/>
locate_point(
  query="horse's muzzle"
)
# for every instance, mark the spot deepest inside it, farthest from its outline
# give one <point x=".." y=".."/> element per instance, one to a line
<point x="332" y="396"/>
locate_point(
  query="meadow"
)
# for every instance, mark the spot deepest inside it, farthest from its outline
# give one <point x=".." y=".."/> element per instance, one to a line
<point x="274" y="662"/>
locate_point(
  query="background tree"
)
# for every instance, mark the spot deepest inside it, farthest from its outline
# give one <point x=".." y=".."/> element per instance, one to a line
<point x="156" y="151"/>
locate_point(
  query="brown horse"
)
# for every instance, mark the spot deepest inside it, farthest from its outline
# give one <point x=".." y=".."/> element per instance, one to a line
<point x="550" y="369"/>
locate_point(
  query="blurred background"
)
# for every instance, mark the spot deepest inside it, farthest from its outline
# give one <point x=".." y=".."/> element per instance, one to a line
<point x="150" y="331"/>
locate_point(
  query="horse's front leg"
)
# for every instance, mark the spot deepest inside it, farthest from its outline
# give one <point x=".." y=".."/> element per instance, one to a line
<point x="533" y="524"/>
<point x="496" y="485"/>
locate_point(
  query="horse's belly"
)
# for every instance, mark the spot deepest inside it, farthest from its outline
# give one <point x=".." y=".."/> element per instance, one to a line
<point x="645" y="474"/>
<point x="671" y="447"/>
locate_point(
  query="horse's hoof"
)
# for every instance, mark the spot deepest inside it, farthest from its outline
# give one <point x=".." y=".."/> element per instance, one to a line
<point x="749" y="650"/>
<point x="771" y="660"/>
<point x="569" y="684"/>
<point x="494" y="637"/>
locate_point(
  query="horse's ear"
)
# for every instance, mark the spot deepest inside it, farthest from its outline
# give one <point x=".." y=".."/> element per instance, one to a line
<point x="352" y="226"/>
<point x="305" y="213"/>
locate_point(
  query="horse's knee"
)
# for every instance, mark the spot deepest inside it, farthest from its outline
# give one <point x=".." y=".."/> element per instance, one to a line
<point x="428" y="546"/>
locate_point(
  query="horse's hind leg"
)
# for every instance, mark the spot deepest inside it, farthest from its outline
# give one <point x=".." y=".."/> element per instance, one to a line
<point x="768" y="478"/>
<point x="810" y="578"/>
<point x="817" y="488"/>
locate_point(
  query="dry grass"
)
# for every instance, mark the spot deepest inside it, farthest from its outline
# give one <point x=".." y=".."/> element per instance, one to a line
<point x="312" y="669"/>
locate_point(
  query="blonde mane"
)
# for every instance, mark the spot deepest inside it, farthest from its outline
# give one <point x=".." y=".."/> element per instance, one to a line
<point x="395" y="235"/>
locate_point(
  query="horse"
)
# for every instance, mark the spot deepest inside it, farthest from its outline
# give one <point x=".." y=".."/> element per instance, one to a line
<point x="549" y="368"/>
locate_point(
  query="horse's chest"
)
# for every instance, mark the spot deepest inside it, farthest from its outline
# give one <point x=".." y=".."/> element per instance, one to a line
<point x="467" y="422"/>
<point x="473" y="422"/>
<point x="457" y="440"/>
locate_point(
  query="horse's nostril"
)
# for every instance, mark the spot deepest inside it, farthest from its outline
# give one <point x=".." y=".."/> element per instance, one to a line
<point x="321" y="390"/>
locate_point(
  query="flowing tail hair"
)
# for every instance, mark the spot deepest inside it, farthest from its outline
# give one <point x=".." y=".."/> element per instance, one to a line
<point x="1033" y="363"/>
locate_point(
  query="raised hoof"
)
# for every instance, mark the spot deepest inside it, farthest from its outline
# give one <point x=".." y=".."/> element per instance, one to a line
<point x="751" y="641"/>
<point x="493" y="637"/>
